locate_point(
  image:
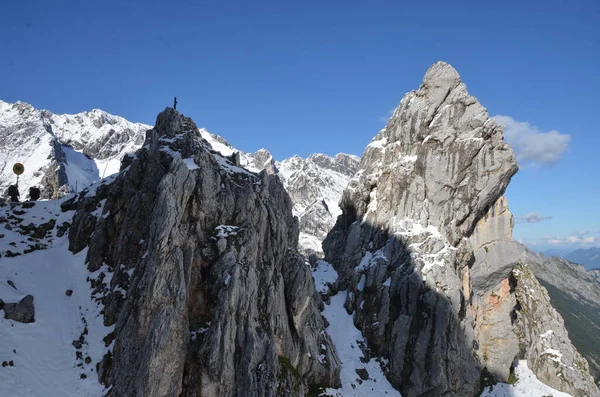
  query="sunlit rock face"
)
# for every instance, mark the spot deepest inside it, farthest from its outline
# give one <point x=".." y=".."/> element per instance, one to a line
<point x="424" y="246"/>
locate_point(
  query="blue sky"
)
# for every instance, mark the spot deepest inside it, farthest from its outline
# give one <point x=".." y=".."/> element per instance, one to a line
<point x="300" y="77"/>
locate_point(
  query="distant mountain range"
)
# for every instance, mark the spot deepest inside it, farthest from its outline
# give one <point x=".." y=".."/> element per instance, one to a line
<point x="590" y="257"/>
<point x="587" y="257"/>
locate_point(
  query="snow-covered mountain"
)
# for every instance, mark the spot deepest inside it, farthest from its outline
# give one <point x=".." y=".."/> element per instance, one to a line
<point x="191" y="248"/>
<point x="64" y="153"/>
<point x="161" y="306"/>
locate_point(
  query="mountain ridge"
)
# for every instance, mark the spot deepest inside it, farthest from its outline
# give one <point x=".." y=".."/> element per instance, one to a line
<point x="192" y="237"/>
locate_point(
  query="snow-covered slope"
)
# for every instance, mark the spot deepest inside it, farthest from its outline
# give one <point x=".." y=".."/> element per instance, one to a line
<point x="526" y="385"/>
<point x="315" y="185"/>
<point x="42" y="358"/>
<point x="62" y="153"/>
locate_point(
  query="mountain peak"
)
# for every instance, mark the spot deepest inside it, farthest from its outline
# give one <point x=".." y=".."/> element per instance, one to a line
<point x="442" y="72"/>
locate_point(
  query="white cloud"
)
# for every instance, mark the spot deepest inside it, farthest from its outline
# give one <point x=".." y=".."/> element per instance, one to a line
<point x="534" y="217"/>
<point x="572" y="240"/>
<point x="531" y="145"/>
<point x="581" y="233"/>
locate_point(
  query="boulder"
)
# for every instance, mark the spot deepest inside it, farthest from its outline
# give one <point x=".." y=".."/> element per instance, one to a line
<point x="23" y="311"/>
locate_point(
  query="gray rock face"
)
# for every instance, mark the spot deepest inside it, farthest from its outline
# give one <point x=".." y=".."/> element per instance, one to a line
<point x="440" y="161"/>
<point x="494" y="250"/>
<point x="218" y="301"/>
<point x="544" y="341"/>
<point x="424" y="245"/>
<point x="595" y="273"/>
<point x="23" y="311"/>
<point x="495" y="254"/>
<point x="514" y="315"/>
<point x="574" y="293"/>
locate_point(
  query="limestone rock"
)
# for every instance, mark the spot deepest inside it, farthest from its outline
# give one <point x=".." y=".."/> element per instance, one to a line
<point x="544" y="341"/>
<point x="218" y="301"/>
<point x="424" y="246"/>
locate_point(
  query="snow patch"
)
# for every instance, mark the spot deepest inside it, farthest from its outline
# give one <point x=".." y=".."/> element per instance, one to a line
<point x="191" y="164"/>
<point x="324" y="274"/>
<point x="347" y="339"/>
<point x="527" y="385"/>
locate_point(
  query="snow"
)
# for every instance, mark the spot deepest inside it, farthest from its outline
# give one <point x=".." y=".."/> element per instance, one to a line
<point x="546" y="334"/>
<point x="379" y="143"/>
<point x="230" y="168"/>
<point x="224" y="231"/>
<point x="309" y="242"/>
<point x="81" y="170"/>
<point x="365" y="261"/>
<point x="347" y="339"/>
<point x="44" y="358"/>
<point x="191" y="164"/>
<point x="324" y="274"/>
<point x="407" y="228"/>
<point x="527" y="385"/>
<point x="369" y="258"/>
<point x="555" y="355"/>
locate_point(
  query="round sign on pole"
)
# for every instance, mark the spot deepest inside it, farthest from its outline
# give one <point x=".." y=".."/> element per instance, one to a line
<point x="18" y="168"/>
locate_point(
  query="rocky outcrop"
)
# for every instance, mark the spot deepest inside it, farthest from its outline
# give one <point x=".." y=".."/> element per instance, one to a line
<point x="22" y="311"/>
<point x="195" y="262"/>
<point x="543" y="338"/>
<point x="514" y="316"/>
<point x="574" y="293"/>
<point x="424" y="245"/>
<point x="491" y="297"/>
<point x="595" y="273"/>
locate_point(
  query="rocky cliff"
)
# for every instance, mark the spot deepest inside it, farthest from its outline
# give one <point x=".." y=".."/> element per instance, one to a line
<point x="575" y="294"/>
<point x="424" y="247"/>
<point x="195" y="264"/>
